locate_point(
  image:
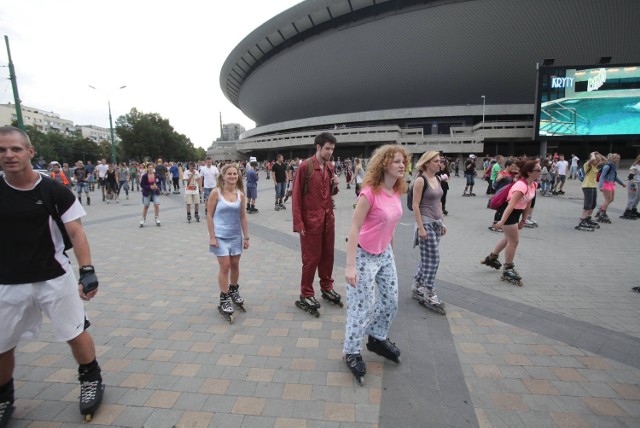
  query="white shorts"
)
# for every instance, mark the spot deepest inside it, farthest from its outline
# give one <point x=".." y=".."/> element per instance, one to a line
<point x="22" y="306"/>
<point x="192" y="198"/>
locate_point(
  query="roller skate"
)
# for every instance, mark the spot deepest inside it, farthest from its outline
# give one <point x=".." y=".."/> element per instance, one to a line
<point x="585" y="226"/>
<point x="253" y="210"/>
<point x="158" y="221"/>
<point x="91" y="391"/>
<point x="511" y="275"/>
<point x="277" y="207"/>
<point x="593" y="223"/>
<point x="465" y="193"/>
<point x="603" y="217"/>
<point x="236" y="298"/>
<point x="282" y="207"/>
<point x="6" y="404"/>
<point x="531" y="223"/>
<point x="385" y="348"/>
<point x="309" y="304"/>
<point x="333" y="297"/>
<point x="628" y="215"/>
<point x="492" y="261"/>
<point x="197" y="217"/>
<point x="188" y="217"/>
<point x="357" y="366"/>
<point x="142" y="221"/>
<point x="428" y="298"/>
<point x="634" y="212"/>
<point x="225" y="307"/>
<point x="636" y="289"/>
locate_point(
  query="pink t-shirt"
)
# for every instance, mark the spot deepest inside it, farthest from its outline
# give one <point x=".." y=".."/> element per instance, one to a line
<point x="381" y="220"/>
<point x="528" y="193"/>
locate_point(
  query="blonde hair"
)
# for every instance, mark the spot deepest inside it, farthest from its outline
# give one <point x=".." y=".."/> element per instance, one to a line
<point x="379" y="162"/>
<point x="637" y="161"/>
<point x="424" y="160"/>
<point x="613" y="156"/>
<point x="220" y="181"/>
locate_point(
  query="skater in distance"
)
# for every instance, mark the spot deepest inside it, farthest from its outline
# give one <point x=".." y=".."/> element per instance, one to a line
<point x="314" y="220"/>
<point x="372" y="292"/>
<point x="36" y="276"/>
<point x="150" y="184"/>
<point x="513" y="218"/>
<point x="228" y="235"/>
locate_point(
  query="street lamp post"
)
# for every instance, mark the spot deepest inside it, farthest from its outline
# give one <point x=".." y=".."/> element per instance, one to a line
<point x="113" y="141"/>
<point x="483" y="104"/>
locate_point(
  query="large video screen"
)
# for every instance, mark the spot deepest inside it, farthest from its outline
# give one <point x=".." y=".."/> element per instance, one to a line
<point x="591" y="101"/>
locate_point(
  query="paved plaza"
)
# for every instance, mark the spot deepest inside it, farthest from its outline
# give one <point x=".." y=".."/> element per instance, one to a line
<point x="562" y="351"/>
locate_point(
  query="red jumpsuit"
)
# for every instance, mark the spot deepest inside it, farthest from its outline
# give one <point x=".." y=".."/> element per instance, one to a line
<point x="313" y="213"/>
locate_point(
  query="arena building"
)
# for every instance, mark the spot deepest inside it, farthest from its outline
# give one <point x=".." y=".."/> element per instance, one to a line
<point x="453" y="75"/>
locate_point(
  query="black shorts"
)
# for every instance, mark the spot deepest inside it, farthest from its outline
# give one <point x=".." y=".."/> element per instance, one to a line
<point x="590" y="198"/>
<point x="514" y="217"/>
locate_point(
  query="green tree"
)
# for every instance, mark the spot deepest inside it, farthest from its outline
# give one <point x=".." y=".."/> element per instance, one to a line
<point x="149" y="135"/>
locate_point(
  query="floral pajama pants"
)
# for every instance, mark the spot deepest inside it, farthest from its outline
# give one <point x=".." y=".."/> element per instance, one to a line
<point x="372" y="305"/>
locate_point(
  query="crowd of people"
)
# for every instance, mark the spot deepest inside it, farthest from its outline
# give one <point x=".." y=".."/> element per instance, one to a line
<point x="370" y="270"/>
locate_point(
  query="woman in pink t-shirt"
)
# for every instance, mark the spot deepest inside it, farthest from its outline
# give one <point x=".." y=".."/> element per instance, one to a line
<point x="513" y="219"/>
<point x="372" y="295"/>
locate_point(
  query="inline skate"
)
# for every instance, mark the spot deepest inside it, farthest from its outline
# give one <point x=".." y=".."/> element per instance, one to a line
<point x="236" y="298"/>
<point x="188" y="217"/>
<point x="509" y="274"/>
<point x="158" y="221"/>
<point x="309" y="304"/>
<point x="492" y="261"/>
<point x="585" y="226"/>
<point x="333" y="297"/>
<point x="357" y="366"/>
<point x="428" y="298"/>
<point x="6" y="404"/>
<point x="143" y="221"/>
<point x="225" y="307"/>
<point x="593" y="223"/>
<point x="531" y="223"/>
<point x="385" y="348"/>
<point x="91" y="390"/>
<point x="602" y="217"/>
<point x="628" y="215"/>
<point x="197" y="217"/>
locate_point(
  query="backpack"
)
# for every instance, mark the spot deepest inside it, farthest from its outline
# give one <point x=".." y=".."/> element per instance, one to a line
<point x="410" y="191"/>
<point x="500" y="198"/>
<point x="580" y="174"/>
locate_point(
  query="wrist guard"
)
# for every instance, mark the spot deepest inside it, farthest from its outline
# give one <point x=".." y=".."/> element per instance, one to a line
<point x="88" y="279"/>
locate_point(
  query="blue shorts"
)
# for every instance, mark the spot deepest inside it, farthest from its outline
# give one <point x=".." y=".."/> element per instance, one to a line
<point x="227" y="247"/>
<point x="252" y="192"/>
<point x="153" y="197"/>
<point x="82" y="185"/>
<point x="470" y="180"/>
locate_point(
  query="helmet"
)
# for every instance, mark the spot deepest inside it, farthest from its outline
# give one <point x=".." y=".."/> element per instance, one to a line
<point x="472" y="156"/>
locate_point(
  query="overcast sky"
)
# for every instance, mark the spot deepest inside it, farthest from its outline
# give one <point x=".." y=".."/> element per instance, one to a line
<point x="167" y="53"/>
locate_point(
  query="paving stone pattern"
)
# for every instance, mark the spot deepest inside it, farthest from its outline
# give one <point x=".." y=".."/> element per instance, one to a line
<point x="562" y="351"/>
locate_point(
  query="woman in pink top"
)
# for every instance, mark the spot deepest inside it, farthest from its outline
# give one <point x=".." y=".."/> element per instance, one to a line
<point x="513" y="219"/>
<point x="372" y="298"/>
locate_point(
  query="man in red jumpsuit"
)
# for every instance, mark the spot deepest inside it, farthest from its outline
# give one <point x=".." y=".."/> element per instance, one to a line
<point x="313" y="218"/>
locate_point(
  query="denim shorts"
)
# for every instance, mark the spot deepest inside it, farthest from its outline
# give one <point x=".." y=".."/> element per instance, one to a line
<point x="252" y="192"/>
<point x="153" y="197"/>
<point x="227" y="247"/>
